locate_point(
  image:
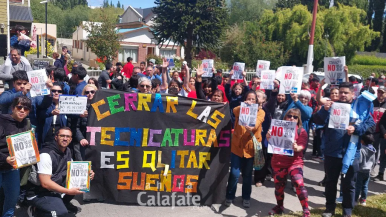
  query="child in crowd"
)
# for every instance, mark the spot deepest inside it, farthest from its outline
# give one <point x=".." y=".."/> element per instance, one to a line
<point x="366" y="162"/>
<point x="235" y="94"/>
<point x="242" y="155"/>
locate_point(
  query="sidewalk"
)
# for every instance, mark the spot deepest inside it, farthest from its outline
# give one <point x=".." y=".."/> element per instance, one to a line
<point x="262" y="200"/>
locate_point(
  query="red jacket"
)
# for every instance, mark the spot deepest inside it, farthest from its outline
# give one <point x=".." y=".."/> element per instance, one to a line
<point x="128" y="70"/>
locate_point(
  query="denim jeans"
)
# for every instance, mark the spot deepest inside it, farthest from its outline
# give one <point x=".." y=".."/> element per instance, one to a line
<point x="245" y="166"/>
<point x="362" y="185"/>
<point x="10" y="181"/>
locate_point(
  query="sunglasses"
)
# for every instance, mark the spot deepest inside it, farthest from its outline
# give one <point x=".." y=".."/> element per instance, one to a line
<point x="56" y="91"/>
<point x="143" y="86"/>
<point x="88" y="92"/>
<point x="293" y="116"/>
<point x="20" y="107"/>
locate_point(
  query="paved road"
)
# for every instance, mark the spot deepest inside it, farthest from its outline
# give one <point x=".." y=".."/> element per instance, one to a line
<point x="262" y="200"/>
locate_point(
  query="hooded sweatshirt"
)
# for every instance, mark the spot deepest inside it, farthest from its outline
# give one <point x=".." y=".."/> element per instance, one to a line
<point x="367" y="158"/>
<point x="9" y="126"/>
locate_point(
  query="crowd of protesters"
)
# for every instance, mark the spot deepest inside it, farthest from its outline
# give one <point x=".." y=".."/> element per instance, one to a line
<point x="62" y="137"/>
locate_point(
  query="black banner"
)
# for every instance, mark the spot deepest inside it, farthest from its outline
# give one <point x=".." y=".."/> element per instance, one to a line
<point x="157" y="149"/>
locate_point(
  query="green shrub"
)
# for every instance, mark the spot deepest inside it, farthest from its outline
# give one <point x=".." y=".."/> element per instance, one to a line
<point x="158" y="59"/>
<point x="366" y="70"/>
<point x="368" y="60"/>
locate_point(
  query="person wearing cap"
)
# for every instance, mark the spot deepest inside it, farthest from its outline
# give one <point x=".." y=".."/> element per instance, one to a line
<point x="128" y="68"/>
<point x="151" y="63"/>
<point x="379" y="109"/>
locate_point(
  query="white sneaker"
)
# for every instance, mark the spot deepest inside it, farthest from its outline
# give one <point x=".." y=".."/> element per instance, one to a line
<point x="246" y="203"/>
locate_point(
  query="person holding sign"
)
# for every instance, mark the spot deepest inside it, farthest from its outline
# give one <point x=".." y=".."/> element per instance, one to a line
<point x="242" y="149"/>
<point x="52" y="120"/>
<point x="284" y="165"/>
<point x="301" y="102"/>
<point x="214" y="96"/>
<point x="336" y="145"/>
<point x="46" y="198"/>
<point x="11" y="124"/>
<point x="235" y="94"/>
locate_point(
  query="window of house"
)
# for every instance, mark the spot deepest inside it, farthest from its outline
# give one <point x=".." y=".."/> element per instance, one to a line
<point x="167" y="53"/>
<point x="81" y="45"/>
<point x="128" y="52"/>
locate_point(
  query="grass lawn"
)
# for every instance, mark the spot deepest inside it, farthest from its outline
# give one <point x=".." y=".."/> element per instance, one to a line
<point x="376" y="207"/>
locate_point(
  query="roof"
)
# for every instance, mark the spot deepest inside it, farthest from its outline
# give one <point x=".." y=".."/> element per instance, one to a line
<point x="48" y="35"/>
<point x="20" y="13"/>
<point x="120" y="31"/>
<point x="144" y="12"/>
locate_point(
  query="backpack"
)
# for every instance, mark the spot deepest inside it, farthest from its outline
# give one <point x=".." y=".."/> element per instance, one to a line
<point x="34" y="176"/>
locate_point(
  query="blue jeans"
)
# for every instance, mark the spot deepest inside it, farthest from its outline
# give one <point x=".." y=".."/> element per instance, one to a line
<point x="245" y="166"/>
<point x="362" y="185"/>
<point x="10" y="181"/>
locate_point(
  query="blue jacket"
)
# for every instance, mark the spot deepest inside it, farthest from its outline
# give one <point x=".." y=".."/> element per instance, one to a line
<point x="336" y="141"/>
<point x="234" y="100"/>
<point x="58" y="63"/>
<point x="306" y="112"/>
<point x="39" y="102"/>
<point x="79" y="88"/>
<point x="66" y="88"/>
<point x="15" y="44"/>
<point x="48" y="118"/>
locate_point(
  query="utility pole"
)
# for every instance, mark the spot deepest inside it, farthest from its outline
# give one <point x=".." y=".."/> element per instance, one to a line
<point x="310" y="56"/>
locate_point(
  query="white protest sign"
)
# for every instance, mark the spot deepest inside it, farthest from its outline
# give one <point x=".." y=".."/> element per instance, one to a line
<point x="290" y="79"/>
<point x="267" y="78"/>
<point x="23" y="146"/>
<point x="357" y="89"/>
<point x="72" y="104"/>
<point x="238" y="69"/>
<point x="78" y="175"/>
<point x="339" y="116"/>
<point x="208" y="68"/>
<point x="262" y="65"/>
<point x="38" y="79"/>
<point x="248" y="114"/>
<point x="334" y="69"/>
<point x="282" y="137"/>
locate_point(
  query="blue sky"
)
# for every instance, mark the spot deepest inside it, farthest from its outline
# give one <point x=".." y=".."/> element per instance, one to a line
<point x="126" y="3"/>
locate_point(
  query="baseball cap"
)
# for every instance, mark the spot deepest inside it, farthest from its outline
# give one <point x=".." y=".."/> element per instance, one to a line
<point x="152" y="61"/>
<point x="382" y="88"/>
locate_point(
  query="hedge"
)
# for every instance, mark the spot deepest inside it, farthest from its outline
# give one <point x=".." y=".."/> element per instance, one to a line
<point x="368" y="60"/>
<point x="366" y="70"/>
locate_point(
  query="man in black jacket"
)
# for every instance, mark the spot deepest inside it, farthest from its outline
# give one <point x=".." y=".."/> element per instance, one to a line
<point x="52" y="171"/>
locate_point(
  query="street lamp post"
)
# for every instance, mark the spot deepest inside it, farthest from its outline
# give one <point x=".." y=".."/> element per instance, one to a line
<point x="46" y="2"/>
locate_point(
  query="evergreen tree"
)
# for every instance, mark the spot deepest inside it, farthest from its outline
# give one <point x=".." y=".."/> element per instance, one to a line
<point x="123" y="7"/>
<point x="111" y="4"/>
<point x="118" y="5"/>
<point x="193" y="24"/>
<point x="379" y="6"/>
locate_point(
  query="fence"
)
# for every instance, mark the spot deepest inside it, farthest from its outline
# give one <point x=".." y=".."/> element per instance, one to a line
<point x="250" y="74"/>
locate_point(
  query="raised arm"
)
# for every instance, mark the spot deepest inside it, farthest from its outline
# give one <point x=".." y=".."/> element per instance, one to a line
<point x="187" y="78"/>
<point x="199" y="90"/>
<point x="164" y="84"/>
<point x="319" y="97"/>
<point x="272" y="102"/>
<point x="346" y="72"/>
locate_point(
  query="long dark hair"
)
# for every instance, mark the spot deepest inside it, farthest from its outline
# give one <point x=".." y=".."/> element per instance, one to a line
<point x="249" y="92"/>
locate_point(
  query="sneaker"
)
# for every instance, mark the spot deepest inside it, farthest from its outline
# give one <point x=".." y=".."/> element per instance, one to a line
<point x="339" y="199"/>
<point x="328" y="213"/>
<point x="362" y="202"/>
<point x="379" y="177"/>
<point x="306" y="213"/>
<point x="246" y="203"/>
<point x="227" y="202"/>
<point x="31" y="211"/>
<point x="73" y="209"/>
<point x="269" y="178"/>
<point x="258" y="184"/>
<point x="277" y="210"/>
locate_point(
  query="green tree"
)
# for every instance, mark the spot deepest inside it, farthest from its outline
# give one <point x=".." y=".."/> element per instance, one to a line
<point x="123" y="7"/>
<point x="111" y="4"/>
<point x="103" y="39"/>
<point x="379" y="7"/>
<point x="248" y="10"/>
<point x="195" y="24"/>
<point x="112" y="13"/>
<point x="118" y="5"/>
<point x="339" y="32"/>
<point x="246" y="43"/>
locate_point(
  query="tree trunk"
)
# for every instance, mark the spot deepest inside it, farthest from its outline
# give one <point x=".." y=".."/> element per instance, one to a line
<point x="379" y="5"/>
<point x="383" y="47"/>
<point x="189" y="47"/>
<point x="370" y="13"/>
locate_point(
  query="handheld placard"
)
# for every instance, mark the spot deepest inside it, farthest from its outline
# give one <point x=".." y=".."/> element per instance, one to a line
<point x="24" y="147"/>
<point x="78" y="175"/>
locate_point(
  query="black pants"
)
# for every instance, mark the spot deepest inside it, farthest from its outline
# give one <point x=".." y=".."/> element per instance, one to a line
<point x="51" y="205"/>
<point x="333" y="167"/>
<point x="259" y="175"/>
<point x="316" y="151"/>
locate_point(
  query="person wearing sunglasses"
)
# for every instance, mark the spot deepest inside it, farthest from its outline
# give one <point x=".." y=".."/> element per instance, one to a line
<point x="11" y="124"/>
<point x="78" y="124"/>
<point x="144" y="85"/>
<point x="50" y="118"/>
<point x="283" y="165"/>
